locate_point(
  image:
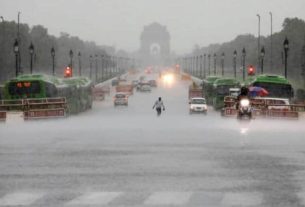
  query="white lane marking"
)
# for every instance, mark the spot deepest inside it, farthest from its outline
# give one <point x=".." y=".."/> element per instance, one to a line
<point x="95" y="198"/>
<point x="20" y="199"/>
<point x="242" y="199"/>
<point x="168" y="198"/>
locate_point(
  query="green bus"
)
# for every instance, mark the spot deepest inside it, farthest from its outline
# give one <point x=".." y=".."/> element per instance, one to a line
<point x="277" y="86"/>
<point x="207" y="86"/>
<point x="221" y="88"/>
<point x="76" y="90"/>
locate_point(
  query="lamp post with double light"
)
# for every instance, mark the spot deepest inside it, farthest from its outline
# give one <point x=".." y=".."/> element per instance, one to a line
<point x="222" y="63"/>
<point x="16" y="51"/>
<point x="234" y="62"/>
<point x="215" y="63"/>
<point x="53" y="60"/>
<point x="244" y="63"/>
<point x="71" y="59"/>
<point x="31" y="50"/>
<point x="79" y="64"/>
<point x="262" y="59"/>
<point x="286" y="49"/>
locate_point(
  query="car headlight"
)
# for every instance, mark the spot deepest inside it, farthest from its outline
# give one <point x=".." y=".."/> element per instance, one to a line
<point x="245" y="102"/>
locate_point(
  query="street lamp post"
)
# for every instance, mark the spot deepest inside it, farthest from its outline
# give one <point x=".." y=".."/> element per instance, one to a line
<point x="244" y="63"/>
<point x="111" y="65"/>
<point x="204" y="65"/>
<point x="234" y="62"/>
<point x="259" y="38"/>
<point x="197" y="64"/>
<point x="209" y="64"/>
<point x="19" y="43"/>
<point x="215" y="63"/>
<point x="201" y="66"/>
<point x="16" y="51"/>
<point x="90" y="65"/>
<point x="31" y="49"/>
<point x="262" y="59"/>
<point x="2" y="43"/>
<point x="79" y="64"/>
<point x="193" y="65"/>
<point x="53" y="62"/>
<point x="71" y="59"/>
<point x="102" y="66"/>
<point x="271" y="43"/>
<point x="286" y="49"/>
<point x="96" y="68"/>
<point x="222" y="63"/>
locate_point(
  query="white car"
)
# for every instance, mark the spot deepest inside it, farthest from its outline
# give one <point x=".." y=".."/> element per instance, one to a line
<point x="198" y="105"/>
<point x="145" y="88"/>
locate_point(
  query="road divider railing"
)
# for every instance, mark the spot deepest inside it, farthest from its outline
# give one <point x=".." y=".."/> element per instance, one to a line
<point x="2" y="116"/>
<point x="261" y="108"/>
<point x="36" y="108"/>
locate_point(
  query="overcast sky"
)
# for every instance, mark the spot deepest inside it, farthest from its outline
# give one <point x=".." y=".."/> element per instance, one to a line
<point x="120" y="22"/>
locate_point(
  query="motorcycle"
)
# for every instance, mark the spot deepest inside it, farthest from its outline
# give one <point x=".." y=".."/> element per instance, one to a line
<point x="244" y="109"/>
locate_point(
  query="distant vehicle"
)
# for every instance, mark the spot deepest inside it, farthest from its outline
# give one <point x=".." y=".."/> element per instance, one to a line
<point x="277" y="86"/>
<point x="195" y="91"/>
<point x="275" y="103"/>
<point x="114" y="82"/>
<point x="244" y="109"/>
<point x="40" y="96"/>
<point x="221" y="88"/>
<point x="145" y="88"/>
<point x="152" y="83"/>
<point x="135" y="83"/>
<point x="198" y="105"/>
<point x="124" y="88"/>
<point x="120" y="99"/>
<point x="234" y="92"/>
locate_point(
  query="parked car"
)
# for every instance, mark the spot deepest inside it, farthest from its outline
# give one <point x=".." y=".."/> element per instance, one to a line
<point x="120" y="99"/>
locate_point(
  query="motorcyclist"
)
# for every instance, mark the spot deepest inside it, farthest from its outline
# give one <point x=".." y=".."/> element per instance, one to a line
<point x="159" y="105"/>
<point x="244" y="92"/>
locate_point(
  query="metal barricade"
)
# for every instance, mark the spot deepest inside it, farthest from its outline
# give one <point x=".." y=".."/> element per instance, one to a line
<point x="35" y="108"/>
<point x="2" y="115"/>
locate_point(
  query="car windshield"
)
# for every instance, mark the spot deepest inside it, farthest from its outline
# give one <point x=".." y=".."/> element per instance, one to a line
<point x="198" y="101"/>
<point x="120" y="96"/>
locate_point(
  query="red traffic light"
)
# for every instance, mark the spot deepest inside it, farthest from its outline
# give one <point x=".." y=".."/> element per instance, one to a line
<point x="251" y="70"/>
<point x="68" y="72"/>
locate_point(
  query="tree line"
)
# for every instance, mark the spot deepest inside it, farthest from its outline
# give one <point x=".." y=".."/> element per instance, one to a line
<point x="43" y="42"/>
<point x="292" y="28"/>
